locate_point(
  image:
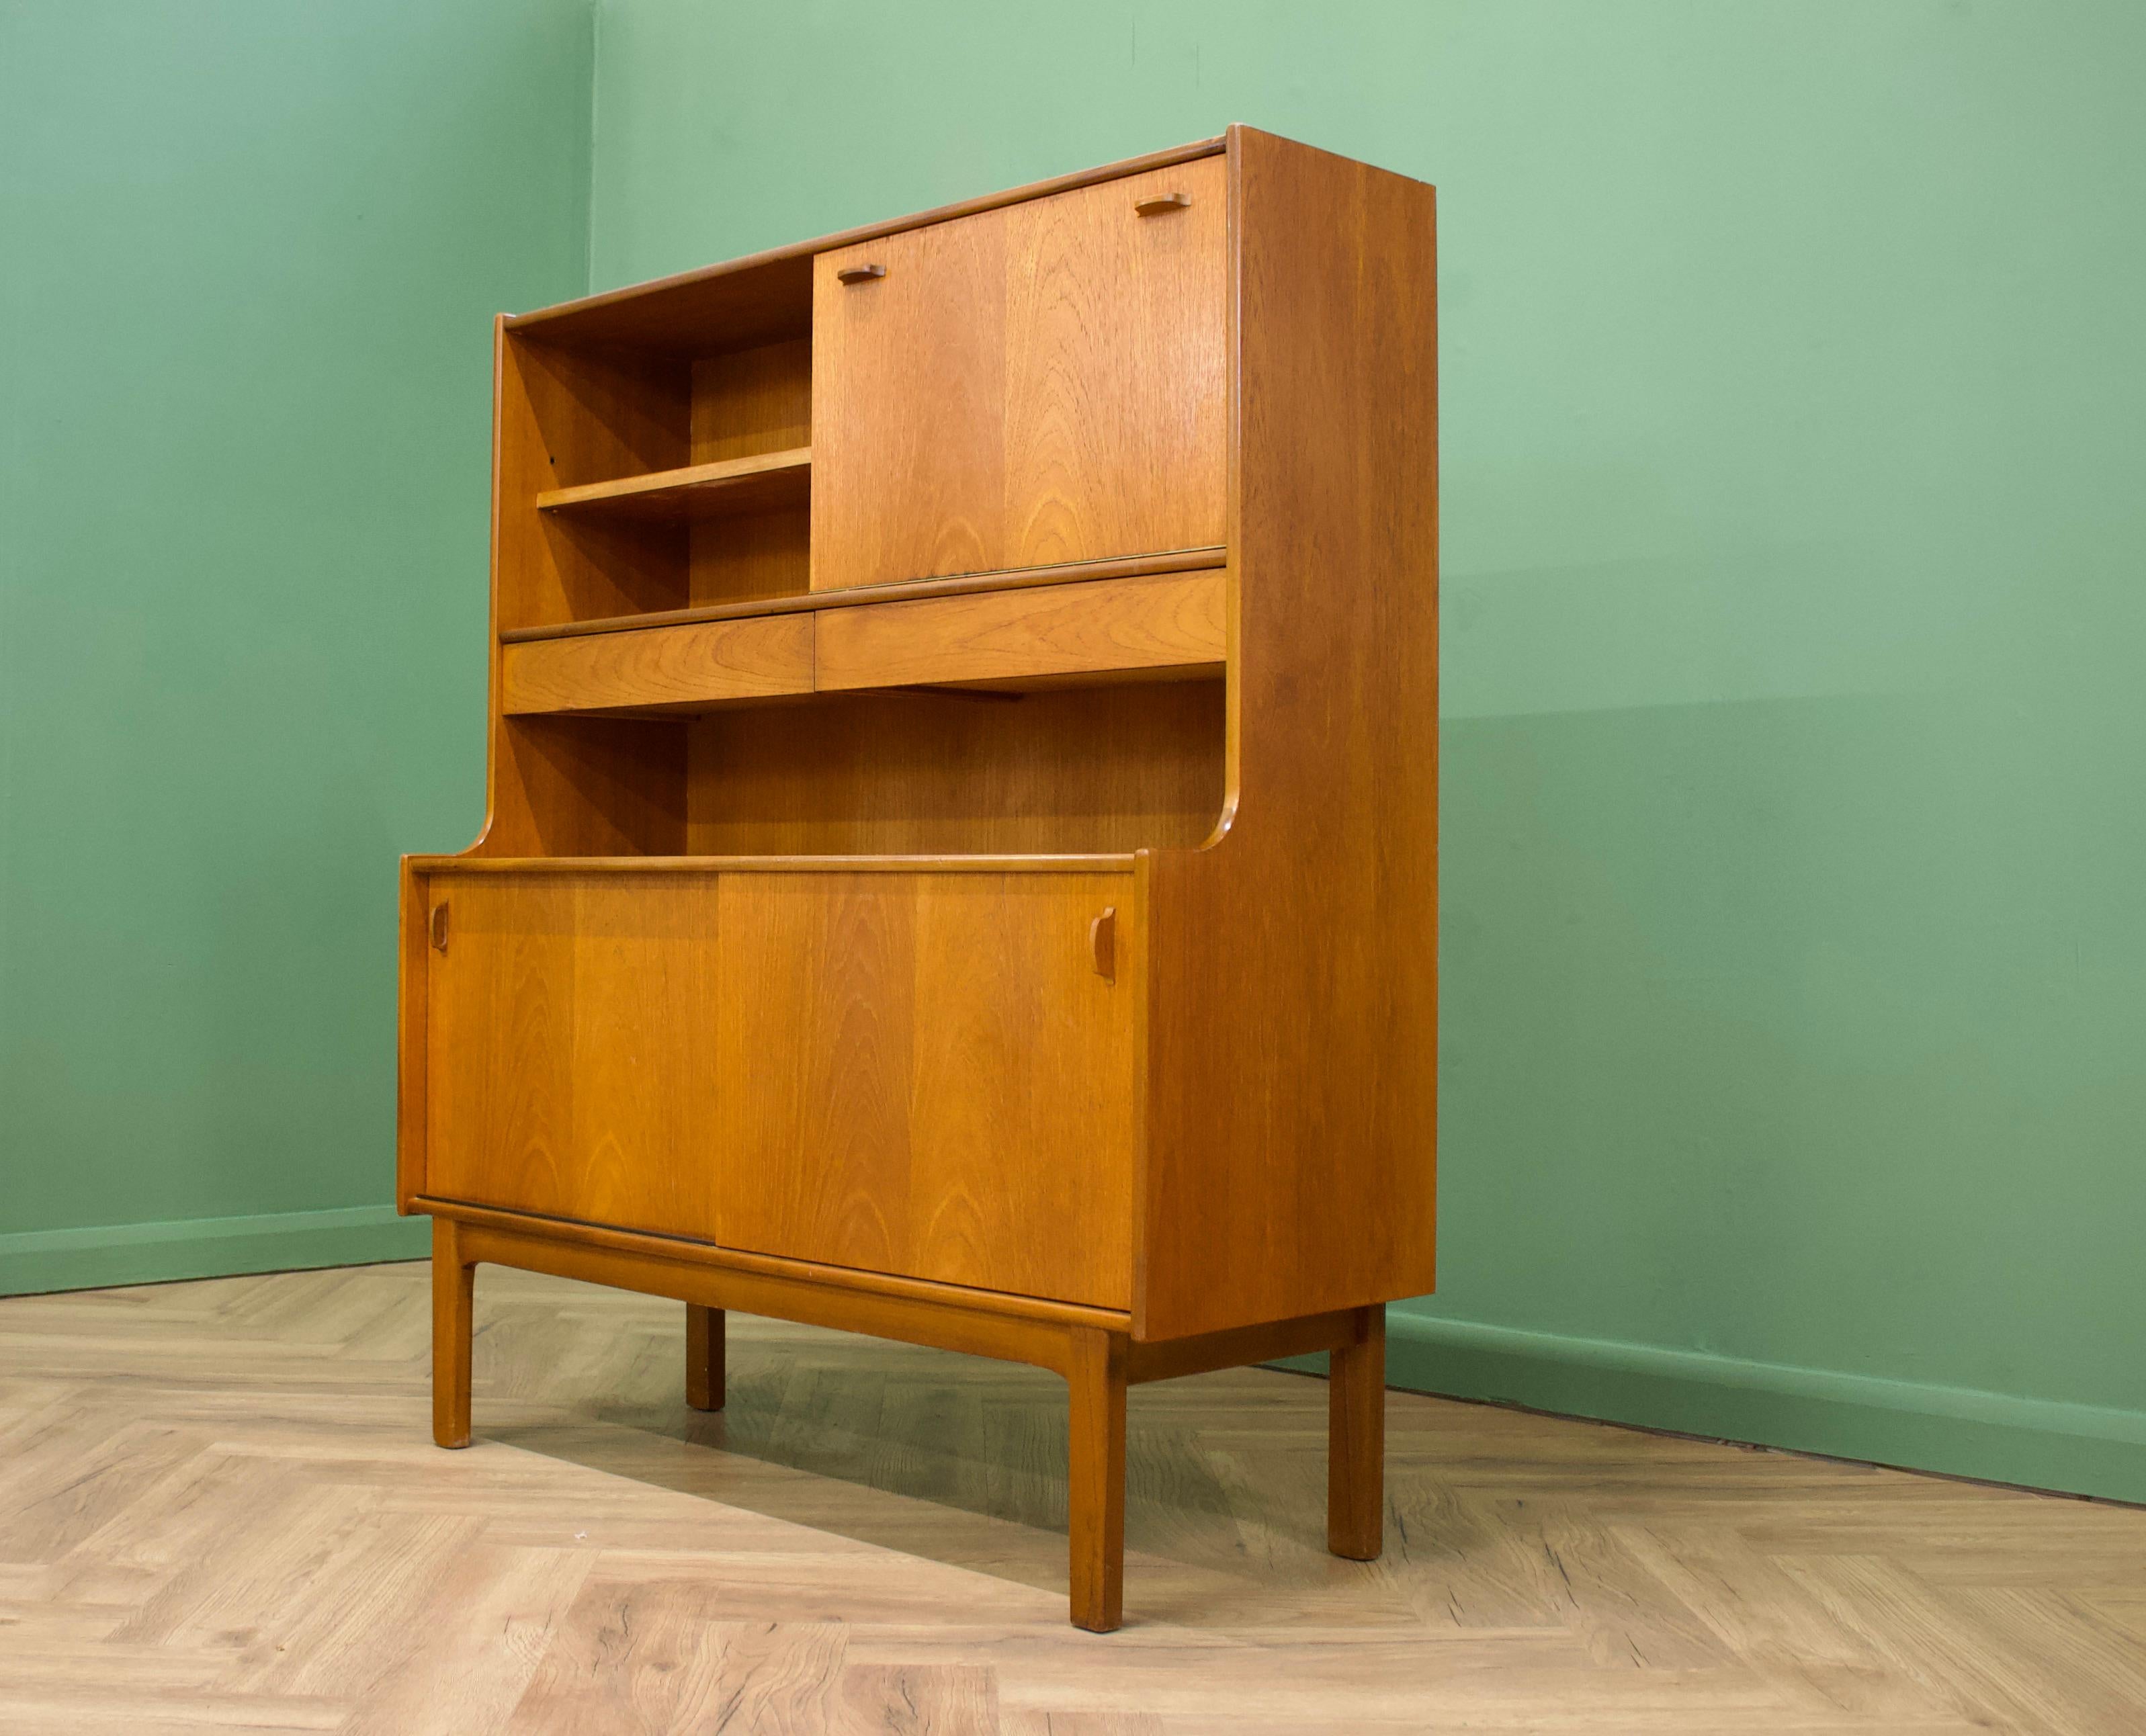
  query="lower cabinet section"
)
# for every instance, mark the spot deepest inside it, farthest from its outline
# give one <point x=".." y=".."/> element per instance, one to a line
<point x="921" y="1073"/>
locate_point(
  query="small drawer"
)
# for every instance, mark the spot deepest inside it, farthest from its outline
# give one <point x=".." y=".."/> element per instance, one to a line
<point x="682" y="668"/>
<point x="1043" y="633"/>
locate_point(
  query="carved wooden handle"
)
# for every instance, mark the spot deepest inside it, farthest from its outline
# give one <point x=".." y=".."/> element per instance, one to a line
<point x="860" y="273"/>
<point x="440" y="926"/>
<point x="1103" y="943"/>
<point x="1162" y="203"/>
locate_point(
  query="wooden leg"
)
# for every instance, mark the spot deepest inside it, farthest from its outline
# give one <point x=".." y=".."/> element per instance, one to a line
<point x="704" y="1357"/>
<point x="1095" y="1479"/>
<point x="454" y="1286"/>
<point x="1356" y="1440"/>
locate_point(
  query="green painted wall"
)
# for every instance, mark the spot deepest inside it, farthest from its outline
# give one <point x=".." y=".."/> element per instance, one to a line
<point x="249" y="252"/>
<point x="1796" y="604"/>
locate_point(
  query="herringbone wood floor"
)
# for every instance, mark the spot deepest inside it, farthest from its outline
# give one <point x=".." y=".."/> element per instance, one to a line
<point x="219" y="1509"/>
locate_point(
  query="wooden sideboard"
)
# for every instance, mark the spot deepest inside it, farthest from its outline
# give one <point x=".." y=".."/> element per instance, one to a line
<point x="961" y="855"/>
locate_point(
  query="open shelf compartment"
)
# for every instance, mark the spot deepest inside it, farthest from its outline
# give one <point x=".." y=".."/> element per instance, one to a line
<point x="656" y="468"/>
<point x="670" y="686"/>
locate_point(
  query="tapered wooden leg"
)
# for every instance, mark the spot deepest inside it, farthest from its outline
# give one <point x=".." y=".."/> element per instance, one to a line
<point x="1095" y="1481"/>
<point x="704" y="1357"/>
<point x="454" y="1287"/>
<point x="1356" y="1440"/>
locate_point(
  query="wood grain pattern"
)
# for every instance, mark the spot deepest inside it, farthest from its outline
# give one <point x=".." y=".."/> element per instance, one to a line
<point x="908" y="382"/>
<point x="583" y="787"/>
<point x="1108" y="626"/>
<point x="753" y="400"/>
<point x="747" y="558"/>
<point x="747" y="403"/>
<point x="1095" y="1479"/>
<point x="849" y="1070"/>
<point x="1022" y="1090"/>
<point x="571" y="1052"/>
<point x="453" y="1293"/>
<point x="219" y="1511"/>
<point x="725" y="485"/>
<point x="1117" y="372"/>
<point x="1307" y="935"/>
<point x="1356" y="1439"/>
<point x="1040" y="383"/>
<point x="818" y="1148"/>
<point x="938" y="1085"/>
<point x="1113" y="768"/>
<point x="665" y="668"/>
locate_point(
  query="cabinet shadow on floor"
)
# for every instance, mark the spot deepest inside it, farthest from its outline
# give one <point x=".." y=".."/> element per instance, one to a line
<point x="956" y="1459"/>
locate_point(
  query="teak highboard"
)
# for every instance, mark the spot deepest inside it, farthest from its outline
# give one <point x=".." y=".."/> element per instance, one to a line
<point x="962" y="857"/>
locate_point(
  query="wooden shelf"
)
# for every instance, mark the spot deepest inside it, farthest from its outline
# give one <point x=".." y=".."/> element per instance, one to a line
<point x="696" y="491"/>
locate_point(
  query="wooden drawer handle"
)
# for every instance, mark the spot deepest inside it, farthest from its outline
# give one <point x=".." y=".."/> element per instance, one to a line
<point x="440" y="926"/>
<point x="1161" y="204"/>
<point x="855" y="274"/>
<point x="1103" y="943"/>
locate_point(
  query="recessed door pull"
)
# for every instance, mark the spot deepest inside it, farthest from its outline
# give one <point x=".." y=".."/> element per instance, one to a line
<point x="1161" y="204"/>
<point x="440" y="926"/>
<point x="1103" y="943"/>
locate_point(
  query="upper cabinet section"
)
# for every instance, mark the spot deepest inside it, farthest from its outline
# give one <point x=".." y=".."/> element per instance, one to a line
<point x="1041" y="383"/>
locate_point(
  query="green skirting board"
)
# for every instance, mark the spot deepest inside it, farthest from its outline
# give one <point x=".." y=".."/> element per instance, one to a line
<point x="2038" y="1444"/>
<point x="37" y="1261"/>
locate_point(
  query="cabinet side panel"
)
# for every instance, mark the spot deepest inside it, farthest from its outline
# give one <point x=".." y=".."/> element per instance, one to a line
<point x="1293" y="1085"/>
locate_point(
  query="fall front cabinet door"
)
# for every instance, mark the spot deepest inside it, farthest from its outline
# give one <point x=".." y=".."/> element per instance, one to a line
<point x="1044" y="382"/>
